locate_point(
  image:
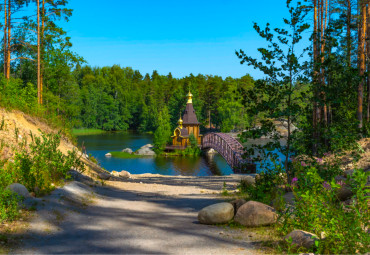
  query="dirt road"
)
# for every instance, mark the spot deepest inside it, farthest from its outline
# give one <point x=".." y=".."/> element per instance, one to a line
<point x="145" y="215"/>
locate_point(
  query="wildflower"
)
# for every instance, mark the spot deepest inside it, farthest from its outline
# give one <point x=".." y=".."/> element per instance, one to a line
<point x="294" y="181"/>
<point x="340" y="183"/>
<point x="326" y="186"/>
<point x="303" y="163"/>
<point x="319" y="160"/>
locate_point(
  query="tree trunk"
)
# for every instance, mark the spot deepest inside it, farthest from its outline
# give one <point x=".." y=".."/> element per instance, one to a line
<point x="38" y="53"/>
<point x="5" y="37"/>
<point x="349" y="40"/>
<point x="42" y="51"/>
<point x="8" y="50"/>
<point x="315" y="80"/>
<point x="368" y="62"/>
<point x="361" y="61"/>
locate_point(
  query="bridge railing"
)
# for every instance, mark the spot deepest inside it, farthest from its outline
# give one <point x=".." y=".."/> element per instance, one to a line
<point x="229" y="148"/>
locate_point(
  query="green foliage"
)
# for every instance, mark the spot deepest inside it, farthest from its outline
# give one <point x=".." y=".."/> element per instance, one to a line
<point x="44" y="166"/>
<point x="280" y="97"/>
<point x="193" y="149"/>
<point x="163" y="131"/>
<point x="341" y="228"/>
<point x="8" y="205"/>
<point x="268" y="186"/>
<point x="124" y="155"/>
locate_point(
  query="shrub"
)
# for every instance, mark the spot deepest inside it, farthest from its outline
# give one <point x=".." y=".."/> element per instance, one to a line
<point x="268" y="186"/>
<point x="44" y="166"/>
<point x="8" y="205"/>
<point x="342" y="228"/>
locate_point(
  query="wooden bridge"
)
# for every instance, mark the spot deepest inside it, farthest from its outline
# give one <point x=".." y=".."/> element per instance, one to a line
<point x="230" y="149"/>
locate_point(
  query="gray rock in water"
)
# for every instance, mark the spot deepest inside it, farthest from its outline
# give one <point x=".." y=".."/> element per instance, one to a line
<point x="124" y="174"/>
<point x="212" y="151"/>
<point x="19" y="189"/>
<point x="216" y="214"/>
<point x="147" y="146"/>
<point x="108" y="155"/>
<point x="301" y="238"/>
<point x="255" y="214"/>
<point x="145" y="151"/>
<point x="127" y="150"/>
<point x="237" y="204"/>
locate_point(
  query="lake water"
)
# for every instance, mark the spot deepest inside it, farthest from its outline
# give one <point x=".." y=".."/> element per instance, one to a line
<point x="99" y="145"/>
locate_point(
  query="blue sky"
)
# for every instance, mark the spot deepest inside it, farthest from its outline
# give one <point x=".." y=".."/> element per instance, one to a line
<point x="180" y="37"/>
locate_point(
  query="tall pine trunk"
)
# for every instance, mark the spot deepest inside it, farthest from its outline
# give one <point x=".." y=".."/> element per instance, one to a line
<point x="38" y="53"/>
<point x="348" y="25"/>
<point x="368" y="62"/>
<point x="5" y="37"/>
<point x="42" y="51"/>
<point x="315" y="79"/>
<point x="361" y="61"/>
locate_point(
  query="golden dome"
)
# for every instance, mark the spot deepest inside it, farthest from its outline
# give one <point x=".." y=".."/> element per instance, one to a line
<point x="190" y="97"/>
<point x="180" y="122"/>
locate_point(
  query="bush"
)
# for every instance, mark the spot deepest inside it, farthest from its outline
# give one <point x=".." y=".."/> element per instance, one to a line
<point x="44" y="166"/>
<point x="8" y="205"/>
<point x="268" y="186"/>
<point x="342" y="228"/>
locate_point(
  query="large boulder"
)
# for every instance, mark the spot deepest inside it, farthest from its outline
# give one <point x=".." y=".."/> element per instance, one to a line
<point x="255" y="214"/>
<point x="216" y="214"/>
<point x="127" y="150"/>
<point x="146" y="150"/>
<point x="237" y="204"/>
<point x="301" y="238"/>
<point x="124" y="174"/>
<point x="19" y="189"/>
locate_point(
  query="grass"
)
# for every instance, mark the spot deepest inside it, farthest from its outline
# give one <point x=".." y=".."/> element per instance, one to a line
<point x="124" y="155"/>
<point x="87" y="131"/>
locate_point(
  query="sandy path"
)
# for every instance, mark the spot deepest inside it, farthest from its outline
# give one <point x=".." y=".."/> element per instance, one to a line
<point x="146" y="215"/>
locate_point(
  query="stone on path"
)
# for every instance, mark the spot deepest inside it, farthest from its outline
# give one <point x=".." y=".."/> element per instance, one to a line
<point x="216" y="214"/>
<point x="255" y="214"/>
<point x="301" y="238"/>
<point x="115" y="173"/>
<point x="19" y="189"/>
<point x="124" y="174"/>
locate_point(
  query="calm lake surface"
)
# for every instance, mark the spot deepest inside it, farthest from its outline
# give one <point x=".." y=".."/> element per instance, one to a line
<point x="99" y="145"/>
